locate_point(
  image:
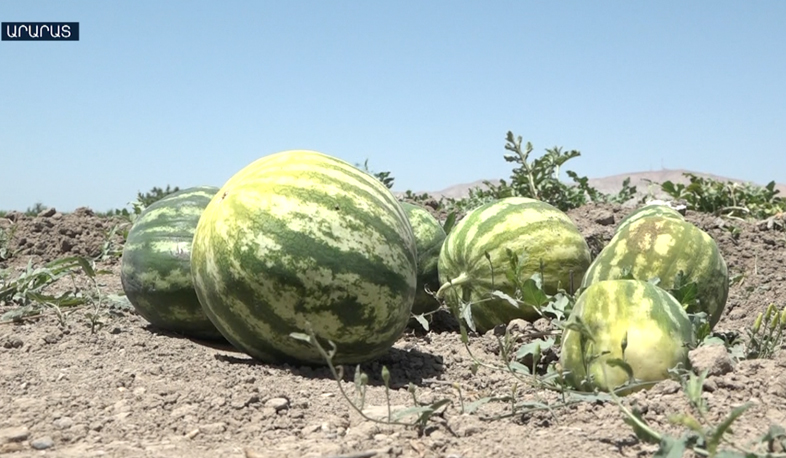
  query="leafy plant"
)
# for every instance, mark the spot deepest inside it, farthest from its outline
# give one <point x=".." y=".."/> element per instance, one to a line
<point x="28" y="292"/>
<point x="730" y="199"/>
<point x="109" y="248"/>
<point x="154" y="195"/>
<point x="702" y="436"/>
<point x="413" y="197"/>
<point x="384" y="177"/>
<point x="5" y="240"/>
<point x="422" y="412"/>
<point x="766" y="336"/>
<point x="539" y="178"/>
<point x="142" y="201"/>
<point x="37" y="208"/>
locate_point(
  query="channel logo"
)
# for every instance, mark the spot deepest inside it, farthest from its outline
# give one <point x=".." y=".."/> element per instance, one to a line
<point x="40" y="31"/>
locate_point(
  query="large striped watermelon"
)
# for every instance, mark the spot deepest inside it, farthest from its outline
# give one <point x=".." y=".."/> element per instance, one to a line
<point x="156" y="266"/>
<point x="662" y="246"/>
<point x="299" y="239"/>
<point x="429" y="237"/>
<point x="537" y="232"/>
<point x="651" y="325"/>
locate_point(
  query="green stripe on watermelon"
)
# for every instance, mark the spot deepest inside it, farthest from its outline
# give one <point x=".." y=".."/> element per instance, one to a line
<point x="659" y="246"/>
<point x="653" y="327"/>
<point x="656" y="208"/>
<point x="535" y="231"/>
<point x="429" y="237"/>
<point x="155" y="266"/>
<point x="300" y="237"/>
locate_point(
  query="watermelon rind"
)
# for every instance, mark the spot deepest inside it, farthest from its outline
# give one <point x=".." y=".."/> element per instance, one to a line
<point x="299" y="242"/>
<point x="155" y="270"/>
<point x="661" y="247"/>
<point x="429" y="237"/>
<point x="649" y="322"/>
<point x="545" y="240"/>
<point x="653" y="208"/>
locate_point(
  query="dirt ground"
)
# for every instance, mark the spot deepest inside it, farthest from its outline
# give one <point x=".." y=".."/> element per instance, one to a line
<point x="131" y="390"/>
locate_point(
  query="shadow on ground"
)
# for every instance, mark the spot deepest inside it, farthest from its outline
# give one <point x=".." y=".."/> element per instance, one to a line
<point x="405" y="366"/>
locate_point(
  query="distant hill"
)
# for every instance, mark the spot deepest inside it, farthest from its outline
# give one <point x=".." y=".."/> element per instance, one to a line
<point x="611" y="184"/>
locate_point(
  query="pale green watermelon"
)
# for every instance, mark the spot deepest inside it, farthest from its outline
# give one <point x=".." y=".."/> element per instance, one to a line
<point x="660" y="247"/>
<point x="301" y="238"/>
<point x="653" y="325"/>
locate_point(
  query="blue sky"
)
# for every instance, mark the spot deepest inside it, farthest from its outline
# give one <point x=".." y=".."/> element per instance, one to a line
<point x="189" y="92"/>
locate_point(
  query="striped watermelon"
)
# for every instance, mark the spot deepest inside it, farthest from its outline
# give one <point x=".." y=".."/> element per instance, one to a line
<point x="534" y="230"/>
<point x="648" y="321"/>
<point x="429" y="237"/>
<point x="156" y="268"/>
<point x="299" y="239"/>
<point x="654" y="208"/>
<point x="662" y="246"/>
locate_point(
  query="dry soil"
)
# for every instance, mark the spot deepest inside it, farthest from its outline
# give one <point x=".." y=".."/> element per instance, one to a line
<point x="130" y="390"/>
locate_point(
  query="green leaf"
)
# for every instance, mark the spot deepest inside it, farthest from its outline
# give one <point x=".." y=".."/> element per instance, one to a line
<point x="19" y="313"/>
<point x="118" y="301"/>
<point x="557" y="307"/>
<point x="671" y="447"/>
<point x="575" y="324"/>
<point x="532" y="294"/>
<point x="530" y="348"/>
<point x="506" y="297"/>
<point x="694" y="388"/>
<point x="423" y="412"/>
<point x="642" y="433"/>
<point x="473" y="406"/>
<point x="519" y="368"/>
<point x="466" y="315"/>
<point x="716" y="437"/>
<point x="617" y="362"/>
<point x="687" y="420"/>
<point x="450" y="222"/>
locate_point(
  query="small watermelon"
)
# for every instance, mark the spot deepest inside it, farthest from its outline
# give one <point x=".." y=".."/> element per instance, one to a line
<point x="300" y="240"/>
<point x="429" y="237"/>
<point x="629" y="320"/>
<point x="661" y="247"/>
<point x="545" y="240"/>
<point x="156" y="264"/>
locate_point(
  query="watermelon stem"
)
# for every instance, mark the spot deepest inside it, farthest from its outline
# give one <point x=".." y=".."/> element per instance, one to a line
<point x="461" y="279"/>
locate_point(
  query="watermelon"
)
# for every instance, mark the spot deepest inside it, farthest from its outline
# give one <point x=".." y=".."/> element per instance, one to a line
<point x="535" y="231"/>
<point x="429" y="237"/>
<point x="662" y="247"/>
<point x="651" y="325"/>
<point x="653" y="208"/>
<point x="299" y="241"/>
<point x="155" y="267"/>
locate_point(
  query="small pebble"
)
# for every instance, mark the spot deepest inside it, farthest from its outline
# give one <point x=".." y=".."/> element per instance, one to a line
<point x="13" y="434"/>
<point x="277" y="403"/>
<point x="42" y="443"/>
<point x="13" y="342"/>
<point x="63" y="422"/>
